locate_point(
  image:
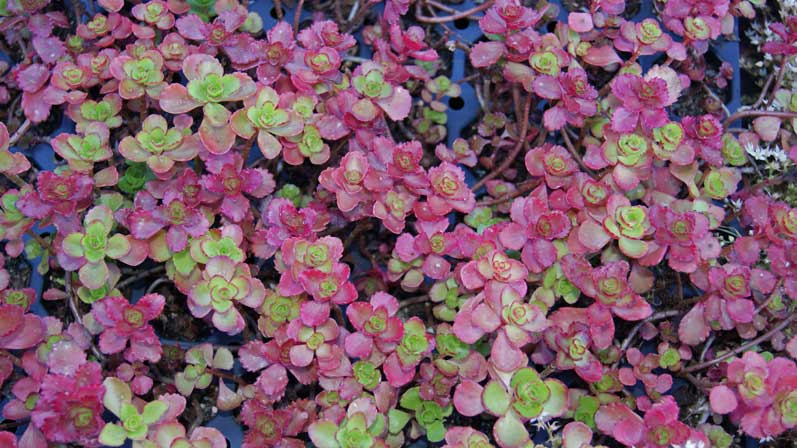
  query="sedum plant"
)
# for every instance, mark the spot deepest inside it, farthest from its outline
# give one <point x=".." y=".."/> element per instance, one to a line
<point x="351" y="225"/>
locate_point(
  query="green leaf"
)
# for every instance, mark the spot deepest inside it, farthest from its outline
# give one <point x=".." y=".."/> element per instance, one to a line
<point x="73" y="244"/>
<point x="495" y="398"/>
<point x="183" y="384"/>
<point x="397" y="420"/>
<point x="117" y="392"/>
<point x="183" y="262"/>
<point x="128" y="412"/>
<point x="509" y="431"/>
<point x="586" y="409"/>
<point x="411" y="399"/>
<point x="557" y="402"/>
<point x="322" y="433"/>
<point x="223" y="359"/>
<point x="113" y="434"/>
<point x="153" y="411"/>
<point x="436" y="431"/>
<point x="118" y="246"/>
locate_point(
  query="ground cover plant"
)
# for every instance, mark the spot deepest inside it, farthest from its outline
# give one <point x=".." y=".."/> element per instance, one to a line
<point x="368" y="224"/>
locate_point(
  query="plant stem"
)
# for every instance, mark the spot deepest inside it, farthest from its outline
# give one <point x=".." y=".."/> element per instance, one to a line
<point x="139" y="276"/>
<point x="522" y="189"/>
<point x="653" y="317"/>
<point x="23" y="128"/>
<point x="413" y="301"/>
<point x="764" y="91"/>
<point x="297" y="16"/>
<point x="227" y="376"/>
<point x="768" y="335"/>
<point x="457" y="16"/>
<point x="770" y="298"/>
<point x="44" y="244"/>
<point x="575" y="154"/>
<point x="72" y="300"/>
<point x="521" y="142"/>
<point x="757" y="113"/>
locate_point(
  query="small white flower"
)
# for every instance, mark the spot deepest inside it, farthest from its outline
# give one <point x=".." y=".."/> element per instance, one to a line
<point x="691" y="444"/>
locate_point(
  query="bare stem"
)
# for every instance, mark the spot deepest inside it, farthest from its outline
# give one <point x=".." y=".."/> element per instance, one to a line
<point x="19" y="132"/>
<point x="757" y="113"/>
<point x="653" y="317"/>
<point x="744" y="347"/>
<point x="42" y="242"/>
<point x="297" y="15"/>
<point x="457" y="16"/>
<point x="413" y="301"/>
<point x="72" y="300"/>
<point x="521" y="141"/>
<point x="139" y="276"/>
<point x="575" y="154"/>
<point x="770" y="298"/>
<point x="522" y="189"/>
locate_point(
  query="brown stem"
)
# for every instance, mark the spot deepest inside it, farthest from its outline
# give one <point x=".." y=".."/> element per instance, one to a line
<point x="441" y="7"/>
<point x="16" y="180"/>
<point x="653" y="317"/>
<point x="764" y="91"/>
<point x="457" y="16"/>
<point x="697" y="382"/>
<point x="770" y="298"/>
<point x="413" y="301"/>
<point x="354" y="22"/>
<point x="44" y="244"/>
<point x="278" y="9"/>
<point x="757" y="113"/>
<point x="768" y="335"/>
<point x="575" y="154"/>
<point x="680" y="287"/>
<point x="361" y="227"/>
<point x="779" y="80"/>
<point x="297" y="15"/>
<point x="72" y="300"/>
<point x="139" y="276"/>
<point x="248" y="147"/>
<point x="521" y="142"/>
<point x="23" y="128"/>
<point x="227" y="376"/>
<point x="522" y="188"/>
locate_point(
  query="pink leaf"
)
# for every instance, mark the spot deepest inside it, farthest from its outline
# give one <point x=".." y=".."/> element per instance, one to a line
<point x="468" y="398"/>
<point x="485" y="54"/>
<point x="602" y="56"/>
<point x="693" y="329"/>
<point x="621" y="422"/>
<point x="723" y="400"/>
<point x="112" y="5"/>
<point x="580" y="22"/>
<point x="767" y="128"/>
<point x="397" y="106"/>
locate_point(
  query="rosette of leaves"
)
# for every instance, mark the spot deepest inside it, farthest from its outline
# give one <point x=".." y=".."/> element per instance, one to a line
<point x="353" y="432"/>
<point x="159" y="146"/>
<point x="134" y="421"/>
<point x="88" y="295"/>
<point x="94" y="244"/>
<point x="82" y="152"/>
<point x="264" y="117"/>
<point x="527" y="397"/>
<point x="447" y="298"/>
<point x="208" y="87"/>
<point x="427" y="414"/>
<point x="198" y="373"/>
